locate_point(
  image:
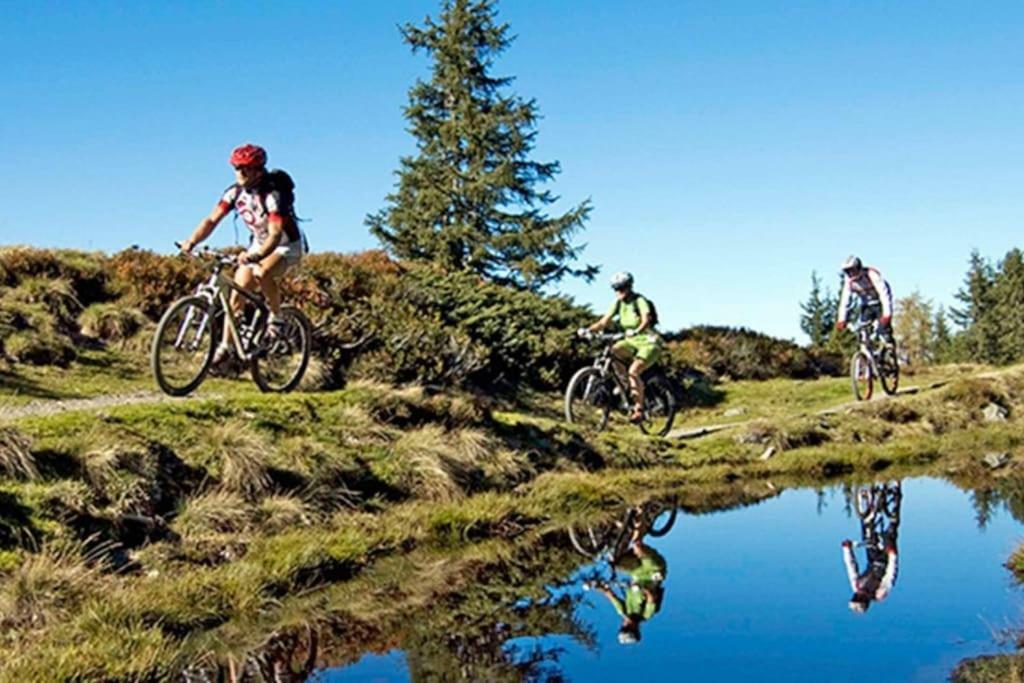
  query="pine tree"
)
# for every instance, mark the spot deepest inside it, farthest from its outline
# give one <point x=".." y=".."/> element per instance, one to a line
<point x="468" y="200"/>
<point x="1008" y="308"/>
<point x="942" y="339"/>
<point x="975" y="318"/>
<point x="819" y="313"/>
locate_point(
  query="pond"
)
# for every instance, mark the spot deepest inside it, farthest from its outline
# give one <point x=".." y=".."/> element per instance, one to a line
<point x="896" y="581"/>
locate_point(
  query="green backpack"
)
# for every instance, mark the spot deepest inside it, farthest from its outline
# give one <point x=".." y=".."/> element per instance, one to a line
<point x="636" y="309"/>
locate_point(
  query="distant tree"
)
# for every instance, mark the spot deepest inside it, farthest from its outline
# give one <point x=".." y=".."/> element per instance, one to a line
<point x="1008" y="308"/>
<point x="943" y="350"/>
<point x="913" y="327"/>
<point x="468" y="199"/>
<point x="980" y="336"/>
<point x="819" y="313"/>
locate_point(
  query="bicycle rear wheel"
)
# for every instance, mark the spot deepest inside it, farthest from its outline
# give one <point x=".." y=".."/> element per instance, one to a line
<point x="280" y="364"/>
<point x="889" y="369"/>
<point x="862" y="376"/>
<point x="183" y="346"/>
<point x="653" y="513"/>
<point x="588" y="399"/>
<point x="659" y="406"/>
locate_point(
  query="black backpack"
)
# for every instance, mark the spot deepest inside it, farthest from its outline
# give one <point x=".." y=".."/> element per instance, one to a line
<point x="279" y="181"/>
<point x="636" y="308"/>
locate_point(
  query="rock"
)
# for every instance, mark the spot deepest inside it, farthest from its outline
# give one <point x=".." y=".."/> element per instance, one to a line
<point x="996" y="460"/>
<point x="735" y="412"/>
<point x="994" y="412"/>
<point x="768" y="452"/>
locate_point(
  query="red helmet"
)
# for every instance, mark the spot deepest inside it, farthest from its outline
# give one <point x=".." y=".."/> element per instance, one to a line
<point x="248" y="155"/>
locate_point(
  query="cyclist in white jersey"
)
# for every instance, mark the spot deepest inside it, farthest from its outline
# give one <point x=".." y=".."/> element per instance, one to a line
<point x="874" y="292"/>
<point x="267" y="209"/>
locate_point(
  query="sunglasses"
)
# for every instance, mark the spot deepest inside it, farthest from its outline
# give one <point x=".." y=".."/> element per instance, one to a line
<point x="246" y="169"/>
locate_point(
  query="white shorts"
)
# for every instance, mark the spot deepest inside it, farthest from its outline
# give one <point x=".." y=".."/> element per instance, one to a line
<point x="291" y="252"/>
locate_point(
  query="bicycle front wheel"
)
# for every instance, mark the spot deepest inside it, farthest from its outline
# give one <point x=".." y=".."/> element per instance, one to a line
<point x="659" y="406"/>
<point x="862" y="376"/>
<point x="889" y="369"/>
<point x="183" y="346"/>
<point x="282" y="361"/>
<point x="588" y="399"/>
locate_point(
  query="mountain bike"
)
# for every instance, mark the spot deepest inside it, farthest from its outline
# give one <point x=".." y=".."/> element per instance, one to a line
<point x="595" y="391"/>
<point x="873" y="358"/>
<point x="191" y="329"/>
<point x="610" y="541"/>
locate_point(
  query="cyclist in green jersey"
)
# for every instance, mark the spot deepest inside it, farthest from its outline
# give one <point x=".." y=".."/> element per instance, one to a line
<point x="642" y="346"/>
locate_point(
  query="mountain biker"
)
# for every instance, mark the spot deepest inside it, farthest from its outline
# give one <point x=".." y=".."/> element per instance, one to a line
<point x="875" y="296"/>
<point x="643" y="596"/>
<point x="642" y="346"/>
<point x="265" y="203"/>
<point x="879" y="531"/>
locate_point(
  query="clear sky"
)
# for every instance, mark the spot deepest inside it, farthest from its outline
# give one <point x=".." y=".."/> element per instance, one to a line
<point x="729" y="148"/>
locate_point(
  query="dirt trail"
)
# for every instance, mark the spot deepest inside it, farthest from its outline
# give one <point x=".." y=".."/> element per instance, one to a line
<point x="44" y="407"/>
<point x="705" y="430"/>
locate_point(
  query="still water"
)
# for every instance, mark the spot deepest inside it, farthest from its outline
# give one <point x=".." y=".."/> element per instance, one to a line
<point x="767" y="592"/>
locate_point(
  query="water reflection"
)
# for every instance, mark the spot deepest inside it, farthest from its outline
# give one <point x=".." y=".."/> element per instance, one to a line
<point x="636" y="571"/>
<point x="878" y="508"/>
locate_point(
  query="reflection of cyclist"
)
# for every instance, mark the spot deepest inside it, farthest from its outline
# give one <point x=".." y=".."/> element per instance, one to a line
<point x="879" y="511"/>
<point x="642" y="345"/>
<point x="646" y="569"/>
<point x="874" y="292"/>
<point x="265" y="202"/>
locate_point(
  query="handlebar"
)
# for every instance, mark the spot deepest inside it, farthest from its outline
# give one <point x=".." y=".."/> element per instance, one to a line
<point x="222" y="257"/>
<point x="602" y="336"/>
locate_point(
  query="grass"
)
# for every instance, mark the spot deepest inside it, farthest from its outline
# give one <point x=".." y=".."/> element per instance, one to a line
<point x="274" y="502"/>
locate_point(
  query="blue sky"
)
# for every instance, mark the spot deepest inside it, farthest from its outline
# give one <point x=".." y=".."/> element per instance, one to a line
<point x="729" y="148"/>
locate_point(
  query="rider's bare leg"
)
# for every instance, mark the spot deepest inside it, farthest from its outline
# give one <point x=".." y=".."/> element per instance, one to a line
<point x="636" y="385"/>
<point x="267" y="276"/>
<point x="245" y="279"/>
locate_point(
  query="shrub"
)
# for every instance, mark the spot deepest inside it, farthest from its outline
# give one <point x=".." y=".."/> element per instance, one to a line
<point x="85" y="271"/>
<point x="40" y="348"/>
<point x="111" y="322"/>
<point x="150" y="282"/>
<point x="739" y="353"/>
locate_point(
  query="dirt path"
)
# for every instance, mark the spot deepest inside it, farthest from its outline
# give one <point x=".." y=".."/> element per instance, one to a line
<point x="51" y="407"/>
<point x="705" y="430"/>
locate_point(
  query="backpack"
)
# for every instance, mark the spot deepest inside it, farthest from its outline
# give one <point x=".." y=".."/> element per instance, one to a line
<point x="279" y="181"/>
<point x="636" y="308"/>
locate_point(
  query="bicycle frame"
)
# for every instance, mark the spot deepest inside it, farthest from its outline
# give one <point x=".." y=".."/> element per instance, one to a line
<point x="216" y="291"/>
<point x="610" y="366"/>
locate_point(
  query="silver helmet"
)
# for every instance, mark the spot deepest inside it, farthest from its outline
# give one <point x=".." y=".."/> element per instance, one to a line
<point x="622" y="280"/>
<point x="852" y="263"/>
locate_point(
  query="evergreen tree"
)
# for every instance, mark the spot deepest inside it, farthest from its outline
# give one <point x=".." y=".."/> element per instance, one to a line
<point x="819" y="313"/>
<point x="975" y="318"/>
<point x="468" y="200"/>
<point x="1008" y="308"/>
<point x="942" y="339"/>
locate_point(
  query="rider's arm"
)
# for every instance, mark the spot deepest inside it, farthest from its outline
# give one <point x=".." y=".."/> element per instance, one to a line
<point x="850" y="560"/>
<point x="206" y="225"/>
<point x="605" y="319"/>
<point x="889" y="578"/>
<point x="844" y="301"/>
<point x="275" y="229"/>
<point x="879" y="284"/>
<point x="645" y="315"/>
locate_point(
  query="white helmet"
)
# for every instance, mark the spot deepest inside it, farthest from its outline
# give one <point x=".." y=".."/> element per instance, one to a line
<point x="852" y="263"/>
<point x="622" y="280"/>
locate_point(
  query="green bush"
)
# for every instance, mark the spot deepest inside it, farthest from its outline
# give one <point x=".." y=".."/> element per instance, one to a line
<point x="111" y="322"/>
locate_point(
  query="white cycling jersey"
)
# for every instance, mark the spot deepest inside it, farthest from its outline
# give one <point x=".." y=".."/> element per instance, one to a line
<point x="256" y="208"/>
<point x="871" y="287"/>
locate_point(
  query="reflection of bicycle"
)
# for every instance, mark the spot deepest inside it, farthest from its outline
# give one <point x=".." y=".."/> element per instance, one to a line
<point x="875" y="357"/>
<point x="878" y="507"/>
<point x="610" y="541"/>
<point x="595" y="391"/>
<point x="190" y="330"/>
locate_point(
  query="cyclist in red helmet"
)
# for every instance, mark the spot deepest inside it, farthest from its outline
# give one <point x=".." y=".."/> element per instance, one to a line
<point x="265" y="202"/>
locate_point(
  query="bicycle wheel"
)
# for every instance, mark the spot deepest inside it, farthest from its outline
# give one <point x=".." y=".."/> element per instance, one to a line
<point x="862" y="376"/>
<point x="654" y="512"/>
<point x="183" y="346"/>
<point x="280" y="364"/>
<point x="889" y="369"/>
<point x="865" y="501"/>
<point x="588" y="399"/>
<point x="659" y="406"/>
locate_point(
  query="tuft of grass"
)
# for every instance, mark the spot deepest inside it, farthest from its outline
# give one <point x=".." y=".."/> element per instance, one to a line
<point x="16" y="455"/>
<point x="47" y="586"/>
<point x="431" y="463"/>
<point x="111" y="322"/>
<point x="57" y="295"/>
<point x="281" y="513"/>
<point x="212" y="513"/>
<point x="243" y="454"/>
